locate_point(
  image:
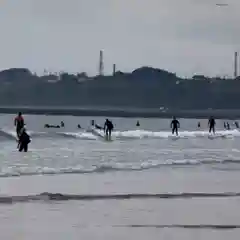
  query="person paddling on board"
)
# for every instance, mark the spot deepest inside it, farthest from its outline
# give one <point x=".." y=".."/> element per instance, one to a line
<point x="108" y="127"/>
<point x="24" y="140"/>
<point x="175" y="125"/>
<point x="211" y="124"/>
<point x="19" y="123"/>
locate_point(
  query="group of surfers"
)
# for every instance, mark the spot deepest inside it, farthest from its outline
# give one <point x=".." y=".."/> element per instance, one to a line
<point x="175" y="125"/>
<point x="24" y="138"/>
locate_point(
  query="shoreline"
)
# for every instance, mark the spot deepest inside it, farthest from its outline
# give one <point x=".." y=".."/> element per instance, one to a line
<point x="125" y="113"/>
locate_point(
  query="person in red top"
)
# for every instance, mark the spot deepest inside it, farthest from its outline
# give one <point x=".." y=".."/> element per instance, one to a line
<point x="19" y="124"/>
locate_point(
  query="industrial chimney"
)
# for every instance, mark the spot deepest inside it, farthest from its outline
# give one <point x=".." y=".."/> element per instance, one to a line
<point x="235" y="65"/>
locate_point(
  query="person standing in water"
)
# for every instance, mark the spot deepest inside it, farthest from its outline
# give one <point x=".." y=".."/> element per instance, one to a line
<point x="211" y="124"/>
<point x="175" y="125"/>
<point x="108" y="127"/>
<point x="19" y="124"/>
<point x="24" y="140"/>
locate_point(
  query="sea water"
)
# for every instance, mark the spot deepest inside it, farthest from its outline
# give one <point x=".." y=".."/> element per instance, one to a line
<point x="145" y="184"/>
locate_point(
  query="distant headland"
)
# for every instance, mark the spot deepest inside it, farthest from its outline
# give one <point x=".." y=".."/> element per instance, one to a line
<point x="143" y="88"/>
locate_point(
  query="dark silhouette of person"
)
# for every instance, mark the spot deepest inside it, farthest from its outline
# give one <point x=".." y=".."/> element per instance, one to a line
<point x="175" y="125"/>
<point x="96" y="125"/>
<point x="211" y="124"/>
<point x="62" y="124"/>
<point x="108" y="127"/>
<point x="224" y="125"/>
<point x="236" y="124"/>
<point x="138" y="124"/>
<point x="199" y="124"/>
<point x="51" y="126"/>
<point x="19" y="123"/>
<point x="24" y="140"/>
<point x="228" y="126"/>
<point x="79" y="126"/>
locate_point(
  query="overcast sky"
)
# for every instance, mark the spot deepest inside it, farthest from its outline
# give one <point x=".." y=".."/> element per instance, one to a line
<point x="183" y="36"/>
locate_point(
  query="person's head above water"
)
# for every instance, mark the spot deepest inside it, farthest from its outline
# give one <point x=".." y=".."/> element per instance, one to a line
<point x="19" y="114"/>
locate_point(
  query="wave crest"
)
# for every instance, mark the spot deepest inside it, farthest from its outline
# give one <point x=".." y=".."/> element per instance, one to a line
<point x="123" y="135"/>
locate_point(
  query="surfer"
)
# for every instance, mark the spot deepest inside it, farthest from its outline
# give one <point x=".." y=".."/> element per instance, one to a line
<point x="108" y="127"/>
<point x="211" y="124"/>
<point x="175" y="125"/>
<point x="19" y="123"/>
<point x="24" y="140"/>
<point x="138" y="124"/>
<point x="62" y="124"/>
<point x="199" y="124"/>
<point x="51" y="126"/>
<point x="236" y="124"/>
<point x="96" y="125"/>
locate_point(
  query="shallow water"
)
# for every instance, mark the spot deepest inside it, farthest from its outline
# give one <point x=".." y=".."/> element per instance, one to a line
<point x="143" y="184"/>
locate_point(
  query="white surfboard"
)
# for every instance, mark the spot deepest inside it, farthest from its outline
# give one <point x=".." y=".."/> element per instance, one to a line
<point x="97" y="133"/>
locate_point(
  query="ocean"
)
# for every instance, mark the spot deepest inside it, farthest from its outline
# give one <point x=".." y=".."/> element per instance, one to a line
<point x="145" y="184"/>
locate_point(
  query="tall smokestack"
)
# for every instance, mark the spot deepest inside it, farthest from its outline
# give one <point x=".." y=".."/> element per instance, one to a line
<point x="101" y="63"/>
<point x="114" y="69"/>
<point x="235" y="65"/>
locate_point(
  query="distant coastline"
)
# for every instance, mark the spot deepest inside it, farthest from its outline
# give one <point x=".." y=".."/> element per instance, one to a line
<point x="117" y="112"/>
<point x="145" y="88"/>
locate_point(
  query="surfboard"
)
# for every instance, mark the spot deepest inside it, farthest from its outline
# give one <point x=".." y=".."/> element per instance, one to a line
<point x="97" y="133"/>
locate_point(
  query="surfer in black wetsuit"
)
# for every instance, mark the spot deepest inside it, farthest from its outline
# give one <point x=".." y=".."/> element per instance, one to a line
<point x="211" y="124"/>
<point x="108" y="127"/>
<point x="24" y="140"/>
<point x="175" y="125"/>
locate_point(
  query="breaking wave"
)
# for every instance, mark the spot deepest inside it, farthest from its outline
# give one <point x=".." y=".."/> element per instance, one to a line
<point x="94" y="197"/>
<point x="124" y="135"/>
<point x="17" y="171"/>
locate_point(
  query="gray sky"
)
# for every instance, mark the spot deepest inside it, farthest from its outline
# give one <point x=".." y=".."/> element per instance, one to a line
<point x="182" y="36"/>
